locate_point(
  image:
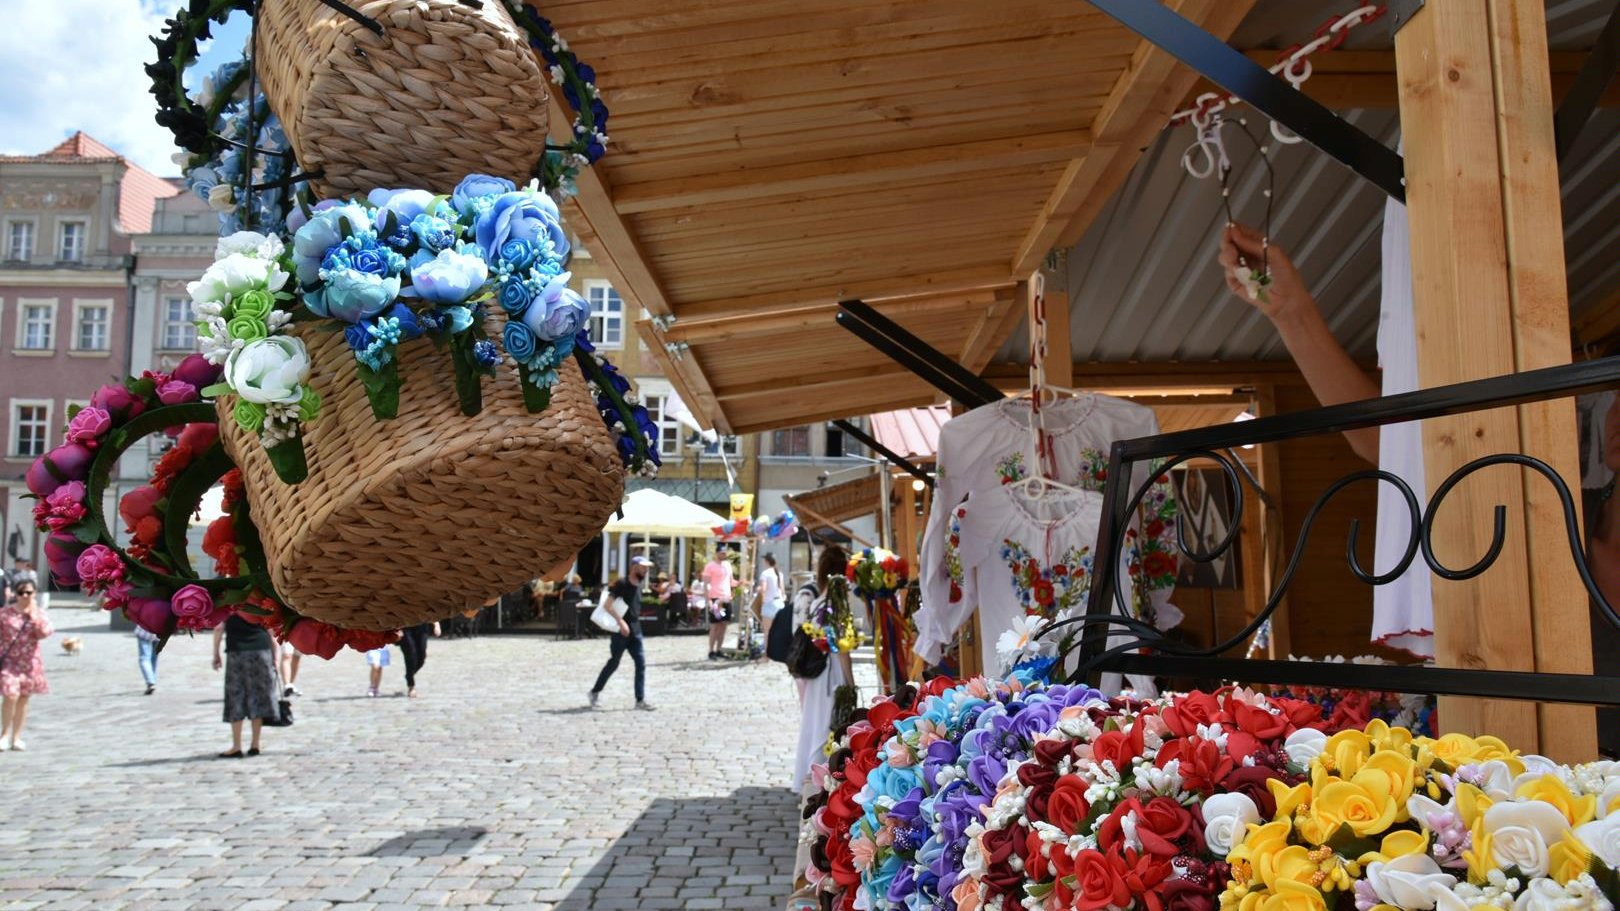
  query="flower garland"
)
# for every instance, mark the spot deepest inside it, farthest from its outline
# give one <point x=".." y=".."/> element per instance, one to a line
<point x="1016" y="794"/>
<point x="577" y="81"/>
<point x="192" y="121"/>
<point x="219" y="180"/>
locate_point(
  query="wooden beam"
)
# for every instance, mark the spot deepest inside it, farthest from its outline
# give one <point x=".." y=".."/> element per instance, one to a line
<point x="967" y="278"/>
<point x="738" y="326"/>
<point x="1538" y="296"/>
<point x="1343" y="80"/>
<point x="998" y="322"/>
<point x="841" y="388"/>
<point x="1146" y="377"/>
<point x="842" y="174"/>
<point x="686" y="375"/>
<point x="1482" y="184"/>
<point x="832" y="410"/>
<point x="1141" y="101"/>
<point x="616" y="248"/>
<point x="825" y="522"/>
<point x="1269" y="524"/>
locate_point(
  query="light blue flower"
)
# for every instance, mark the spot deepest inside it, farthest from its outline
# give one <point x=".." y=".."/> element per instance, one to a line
<point x="520" y="342"/>
<point x="474" y="186"/>
<point x="449" y="278"/>
<point x="315" y="238"/>
<point x="406" y="204"/>
<point x="521" y="215"/>
<point x="352" y="296"/>
<point x="461" y="318"/>
<point x="557" y="312"/>
<point x="433" y="232"/>
<point x="514" y="295"/>
<point x="518" y="254"/>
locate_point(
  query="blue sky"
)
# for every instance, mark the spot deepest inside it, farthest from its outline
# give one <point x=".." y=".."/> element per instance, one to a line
<point x="77" y="65"/>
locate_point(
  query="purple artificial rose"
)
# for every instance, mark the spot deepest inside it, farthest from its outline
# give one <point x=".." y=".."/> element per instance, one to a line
<point x="405" y="204"/>
<point x="89" y="425"/>
<point x="192" y="601"/>
<point x="196" y="370"/>
<point x="474" y="186"/>
<point x="151" y="614"/>
<point x="68" y="462"/>
<point x="62" y="556"/>
<point x="176" y="392"/>
<point x="118" y="401"/>
<point x="296" y="218"/>
<point x="520" y="216"/>
<point x="558" y="311"/>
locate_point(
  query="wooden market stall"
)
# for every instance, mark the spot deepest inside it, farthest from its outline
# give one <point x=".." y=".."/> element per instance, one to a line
<point x="774" y="159"/>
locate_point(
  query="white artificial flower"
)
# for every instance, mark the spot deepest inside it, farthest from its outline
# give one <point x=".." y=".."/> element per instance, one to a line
<point x="1495" y="778"/>
<point x="1581" y="894"/>
<point x="1408" y="882"/>
<point x="1602" y="838"/>
<point x="1254" y="284"/>
<point x="233" y="275"/>
<point x="1226" y="819"/>
<point x="249" y="243"/>
<point x="222" y="198"/>
<point x="1019" y="643"/>
<point x="1522" y="832"/>
<point x="269" y="371"/>
<point x="1304" y="745"/>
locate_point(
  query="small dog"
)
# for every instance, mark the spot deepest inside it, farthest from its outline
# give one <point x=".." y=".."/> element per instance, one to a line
<point x="73" y="645"/>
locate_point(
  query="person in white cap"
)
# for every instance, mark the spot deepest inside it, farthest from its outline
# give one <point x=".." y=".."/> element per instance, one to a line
<point x="628" y="592"/>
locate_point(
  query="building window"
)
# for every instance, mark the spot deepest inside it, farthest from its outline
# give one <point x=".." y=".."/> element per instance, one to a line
<point x="669" y="429"/>
<point x="94" y="327"/>
<point x="36" y="326"/>
<point x="792" y="441"/>
<point x="729" y="445"/>
<point x="30" y="427"/>
<point x="607" y="315"/>
<point x="179" y="333"/>
<point x="20" y="241"/>
<point x="72" y="245"/>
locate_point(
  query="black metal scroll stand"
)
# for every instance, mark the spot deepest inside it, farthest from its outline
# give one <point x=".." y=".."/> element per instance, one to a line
<point x="1146" y="651"/>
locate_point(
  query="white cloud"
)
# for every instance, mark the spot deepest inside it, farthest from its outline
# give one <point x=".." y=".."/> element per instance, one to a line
<point x="78" y="65"/>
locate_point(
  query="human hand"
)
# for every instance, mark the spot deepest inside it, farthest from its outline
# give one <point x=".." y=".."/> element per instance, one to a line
<point x="624" y="628"/>
<point x="1283" y="294"/>
<point x="217" y="662"/>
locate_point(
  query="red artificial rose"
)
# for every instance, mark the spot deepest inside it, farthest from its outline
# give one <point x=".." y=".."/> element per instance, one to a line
<point x="139" y="503"/>
<point x="1118" y="747"/>
<point x="1035" y="775"/>
<point x="1067" y="808"/>
<point x="1037" y="866"/>
<point x="936" y="687"/>
<point x="1186" y="895"/>
<point x="1051" y="752"/>
<point x="365" y="640"/>
<point x="234" y="489"/>
<point x="1160" y="824"/>
<point x="148" y="531"/>
<point x="1186" y="713"/>
<point x="1353" y="710"/>
<point x="1203" y="765"/>
<point x="1141" y="874"/>
<point x="883" y="716"/>
<point x="1259" y="722"/>
<point x="998" y="843"/>
<point x="1099" y="883"/>
<point x="1250" y="781"/>
<point x="313" y="637"/>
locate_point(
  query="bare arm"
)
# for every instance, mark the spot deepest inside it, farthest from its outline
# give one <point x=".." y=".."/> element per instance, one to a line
<point x="219" y="636"/>
<point x="1334" y="377"/>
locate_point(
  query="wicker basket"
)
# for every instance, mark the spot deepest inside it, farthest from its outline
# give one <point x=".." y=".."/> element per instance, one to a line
<point x="420" y="517"/>
<point x="446" y="90"/>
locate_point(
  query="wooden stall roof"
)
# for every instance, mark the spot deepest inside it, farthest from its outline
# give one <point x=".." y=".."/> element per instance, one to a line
<point x="770" y="158"/>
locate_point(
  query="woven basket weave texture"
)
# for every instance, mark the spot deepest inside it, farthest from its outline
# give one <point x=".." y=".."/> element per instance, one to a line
<point x="431" y="513"/>
<point x="446" y="90"/>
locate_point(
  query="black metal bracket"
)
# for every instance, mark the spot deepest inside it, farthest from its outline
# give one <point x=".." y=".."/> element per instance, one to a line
<point x="1401" y="12"/>
<point x="899" y="461"/>
<point x="1112" y="640"/>
<point x="1597" y="74"/>
<point x="1266" y="93"/>
<point x="916" y="355"/>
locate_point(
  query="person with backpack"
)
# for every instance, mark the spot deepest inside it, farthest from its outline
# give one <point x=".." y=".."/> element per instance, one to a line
<point x="818" y="680"/>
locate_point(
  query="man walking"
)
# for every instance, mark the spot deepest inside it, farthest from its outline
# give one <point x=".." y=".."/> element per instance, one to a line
<point x="628" y="639"/>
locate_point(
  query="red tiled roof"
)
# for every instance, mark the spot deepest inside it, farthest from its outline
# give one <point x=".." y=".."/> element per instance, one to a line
<point x="138" y="192"/>
<point x="911" y="432"/>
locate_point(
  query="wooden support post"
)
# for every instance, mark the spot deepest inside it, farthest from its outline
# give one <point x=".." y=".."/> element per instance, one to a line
<point x="1270" y="541"/>
<point x="1487" y="252"/>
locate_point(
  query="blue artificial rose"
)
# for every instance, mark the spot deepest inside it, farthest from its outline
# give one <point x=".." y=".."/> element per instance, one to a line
<point x="518" y="254"/>
<point x="405" y="204"/>
<point x="409" y="327"/>
<point x="514" y="296"/>
<point x="369" y="261"/>
<point x="433" y="232"/>
<point x="521" y="216"/>
<point x="352" y="296"/>
<point x="475" y="185"/>
<point x="297" y="219"/>
<point x="449" y="278"/>
<point x="320" y="234"/>
<point x="460" y="318"/>
<point x="357" y="336"/>
<point x="557" y="313"/>
<point x="519" y="341"/>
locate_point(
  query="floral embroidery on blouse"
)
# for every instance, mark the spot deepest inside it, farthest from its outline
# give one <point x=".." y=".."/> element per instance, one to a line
<point x="1047" y="591"/>
<point x="1011" y="469"/>
<point x="953" y="554"/>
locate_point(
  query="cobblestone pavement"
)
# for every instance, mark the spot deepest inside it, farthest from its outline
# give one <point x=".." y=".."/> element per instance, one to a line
<point x="496" y="788"/>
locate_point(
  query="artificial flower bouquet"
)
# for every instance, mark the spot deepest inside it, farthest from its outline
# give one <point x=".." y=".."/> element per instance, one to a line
<point x="1018" y="793"/>
<point x="877" y="573"/>
<point x="831" y="626"/>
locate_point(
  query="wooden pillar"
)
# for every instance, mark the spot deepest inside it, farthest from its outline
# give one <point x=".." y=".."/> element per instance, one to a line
<point x="1488" y="281"/>
<point x="1269" y="542"/>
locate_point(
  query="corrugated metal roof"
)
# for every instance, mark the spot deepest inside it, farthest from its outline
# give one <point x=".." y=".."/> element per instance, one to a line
<point x="911" y="432"/>
<point x="1136" y="294"/>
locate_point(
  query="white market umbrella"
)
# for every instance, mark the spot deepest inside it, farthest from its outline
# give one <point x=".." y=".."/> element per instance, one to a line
<point x="651" y="512"/>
